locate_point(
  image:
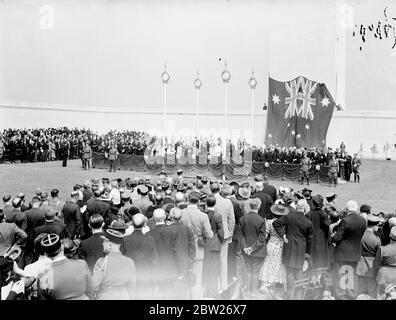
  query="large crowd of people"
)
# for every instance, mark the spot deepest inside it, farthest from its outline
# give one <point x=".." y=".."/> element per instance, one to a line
<point x="63" y="143"/>
<point x="178" y="238"/>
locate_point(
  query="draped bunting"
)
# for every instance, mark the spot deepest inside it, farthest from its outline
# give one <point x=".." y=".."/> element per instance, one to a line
<point x="234" y="170"/>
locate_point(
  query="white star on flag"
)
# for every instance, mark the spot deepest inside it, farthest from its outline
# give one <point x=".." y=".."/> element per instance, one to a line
<point x="275" y="99"/>
<point x="307" y="126"/>
<point x="288" y="125"/>
<point x="325" y="102"/>
<point x="293" y="132"/>
<point x="299" y="135"/>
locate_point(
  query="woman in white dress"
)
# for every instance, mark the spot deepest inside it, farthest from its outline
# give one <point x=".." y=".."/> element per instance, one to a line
<point x="273" y="272"/>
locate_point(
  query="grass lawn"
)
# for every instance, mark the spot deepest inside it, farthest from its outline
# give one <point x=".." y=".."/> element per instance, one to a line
<point x="377" y="186"/>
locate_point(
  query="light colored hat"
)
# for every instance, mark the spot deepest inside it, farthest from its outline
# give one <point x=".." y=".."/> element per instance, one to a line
<point x="301" y="205"/>
<point x="259" y="185"/>
<point x="392" y="222"/>
<point x="352" y="206"/>
<point x="392" y="233"/>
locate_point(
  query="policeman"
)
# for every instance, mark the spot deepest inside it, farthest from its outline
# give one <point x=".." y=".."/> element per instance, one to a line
<point x="333" y="172"/>
<point x="113" y="153"/>
<point x="87" y="155"/>
<point x="305" y="167"/>
<point x="356" y="168"/>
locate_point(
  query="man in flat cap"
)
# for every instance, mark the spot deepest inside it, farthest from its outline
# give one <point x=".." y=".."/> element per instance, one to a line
<point x="371" y="244"/>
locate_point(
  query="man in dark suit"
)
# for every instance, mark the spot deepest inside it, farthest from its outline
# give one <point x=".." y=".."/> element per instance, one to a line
<point x="251" y="235"/>
<point x="296" y="230"/>
<point x="91" y="249"/>
<point x="24" y="207"/>
<point x="266" y="201"/>
<point x="51" y="226"/>
<point x="267" y="188"/>
<point x="35" y="216"/>
<point x="72" y="216"/>
<point x="347" y="252"/>
<point x="140" y="247"/>
<point x="96" y="206"/>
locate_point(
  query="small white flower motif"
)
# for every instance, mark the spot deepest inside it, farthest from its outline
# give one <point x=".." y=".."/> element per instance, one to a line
<point x="325" y="102"/>
<point x="293" y="132"/>
<point x="299" y="136"/>
<point x="307" y="126"/>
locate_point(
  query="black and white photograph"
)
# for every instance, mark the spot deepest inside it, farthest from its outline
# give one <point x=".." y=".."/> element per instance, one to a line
<point x="197" y="151"/>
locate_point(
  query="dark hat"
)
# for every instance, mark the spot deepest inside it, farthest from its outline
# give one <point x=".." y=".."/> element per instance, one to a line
<point x="306" y="190"/>
<point x="179" y="172"/>
<point x="317" y="201"/>
<point x="141" y="181"/>
<point x="114" y="236"/>
<point x="365" y="208"/>
<point x="259" y="177"/>
<point x="165" y="185"/>
<point x="213" y="180"/>
<point x="6" y="197"/>
<point x="234" y="184"/>
<point x="181" y="187"/>
<point x="279" y="210"/>
<point x="163" y="173"/>
<point x="51" y="244"/>
<point x="204" y="179"/>
<point x="118" y="225"/>
<point x="244" y="192"/>
<point x="199" y="177"/>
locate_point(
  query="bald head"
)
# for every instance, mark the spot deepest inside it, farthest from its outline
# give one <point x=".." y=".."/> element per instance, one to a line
<point x="138" y="221"/>
<point x="159" y="215"/>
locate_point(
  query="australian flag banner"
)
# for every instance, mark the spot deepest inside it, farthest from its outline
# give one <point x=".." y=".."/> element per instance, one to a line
<point x="299" y="113"/>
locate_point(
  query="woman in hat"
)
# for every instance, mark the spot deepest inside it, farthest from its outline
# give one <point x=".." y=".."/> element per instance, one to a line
<point x="114" y="275"/>
<point x="273" y="272"/>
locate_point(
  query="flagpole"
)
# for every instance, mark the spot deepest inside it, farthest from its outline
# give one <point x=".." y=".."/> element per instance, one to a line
<point x="225" y="76"/>
<point x="252" y="85"/>
<point x="197" y="85"/>
<point x="165" y="79"/>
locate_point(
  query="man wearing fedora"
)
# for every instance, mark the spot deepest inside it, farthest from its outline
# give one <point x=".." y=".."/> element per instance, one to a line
<point x="371" y="244"/>
<point x="320" y="253"/>
<point x="251" y="235"/>
<point x="296" y="230"/>
<point x="266" y="200"/>
<point x="347" y="251"/>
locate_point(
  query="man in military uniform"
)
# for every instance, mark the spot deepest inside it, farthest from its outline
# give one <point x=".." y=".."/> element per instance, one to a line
<point x="87" y="155"/>
<point x="65" y="151"/>
<point x="113" y="154"/>
<point x="333" y="172"/>
<point x="356" y="168"/>
<point x="305" y="167"/>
